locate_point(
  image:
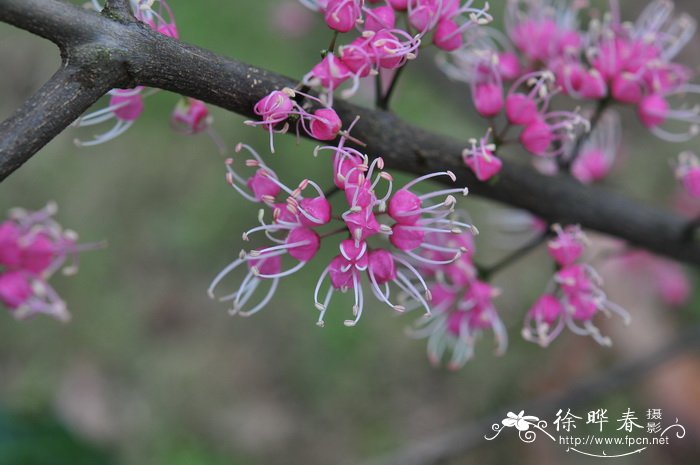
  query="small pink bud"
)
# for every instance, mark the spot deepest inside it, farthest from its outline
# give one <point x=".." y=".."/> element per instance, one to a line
<point x="274" y="107"/>
<point x="9" y="247"/>
<point x="626" y="89"/>
<point x="484" y="167"/>
<point x="381" y="17"/>
<point x="591" y="166"/>
<point x="382" y="266"/>
<point x="674" y="287"/>
<point x="310" y="241"/>
<point x="267" y="265"/>
<point x="38" y="255"/>
<point x="405" y="237"/>
<point x="358" y="57"/>
<point x="567" y="247"/>
<point x="355" y="252"/>
<point x="584" y="306"/>
<point x="422" y="16"/>
<point x="346" y="170"/>
<point x="190" y="116"/>
<point x="340" y="272"/>
<point x="262" y="186"/>
<point x="521" y="109"/>
<point x="128" y="104"/>
<point x="593" y="86"/>
<point x="441" y="295"/>
<point x="447" y="36"/>
<point x="537" y="137"/>
<point x="362" y="224"/>
<point x="15" y="289"/>
<point x="342" y="15"/>
<point x="331" y="72"/>
<point x="319" y="208"/>
<point x="360" y="195"/>
<point x="509" y="66"/>
<point x="547" y="309"/>
<point x="399" y="5"/>
<point x="326" y="124"/>
<point x="574" y="279"/>
<point x="652" y="110"/>
<point x="401" y="204"/>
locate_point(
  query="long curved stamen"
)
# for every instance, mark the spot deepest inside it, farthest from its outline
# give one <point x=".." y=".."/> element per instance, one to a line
<point x="412" y="183"/>
<point x="230" y="267"/>
<point x="324" y="307"/>
<point x="281" y="274"/>
<point x="318" y="287"/>
<point x="118" y="129"/>
<point x="265" y="301"/>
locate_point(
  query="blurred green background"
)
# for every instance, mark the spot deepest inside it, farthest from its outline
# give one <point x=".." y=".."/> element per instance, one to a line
<point x="150" y="371"/>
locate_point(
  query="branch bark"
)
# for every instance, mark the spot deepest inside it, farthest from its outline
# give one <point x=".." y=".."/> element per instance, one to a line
<point x="115" y="50"/>
<point x="57" y="104"/>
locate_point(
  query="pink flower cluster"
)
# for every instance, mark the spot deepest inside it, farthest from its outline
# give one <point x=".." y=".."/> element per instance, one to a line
<point x="574" y="297"/>
<point x="546" y="52"/>
<point x="665" y="278"/>
<point x="412" y="250"/>
<point x="190" y="116"/>
<point x="281" y="106"/>
<point x="382" y="43"/>
<point x="463" y="309"/>
<point x="630" y="63"/>
<point x="32" y="248"/>
<point x="384" y="238"/>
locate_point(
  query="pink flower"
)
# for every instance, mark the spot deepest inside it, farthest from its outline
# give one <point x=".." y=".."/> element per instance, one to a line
<point x="381" y="17"/>
<point x="599" y="150"/>
<point x="460" y="322"/>
<point x="544" y="321"/>
<point x="157" y="15"/>
<point x="481" y="159"/>
<point x="567" y="246"/>
<point x="190" y="116"/>
<point x="125" y="106"/>
<point x="278" y="107"/>
<point x="342" y="15"/>
<point x="326" y="124"/>
<point x="539" y="137"/>
<point x="295" y="237"/>
<point x="525" y="108"/>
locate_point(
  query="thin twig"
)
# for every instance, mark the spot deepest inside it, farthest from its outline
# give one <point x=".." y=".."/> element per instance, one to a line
<point x="565" y="163"/>
<point x="383" y="102"/>
<point x="521" y="252"/>
<point x="64" y="97"/>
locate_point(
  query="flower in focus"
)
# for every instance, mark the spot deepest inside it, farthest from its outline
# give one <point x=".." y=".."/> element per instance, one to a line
<point x="383" y="237"/>
<point x="574" y="296"/>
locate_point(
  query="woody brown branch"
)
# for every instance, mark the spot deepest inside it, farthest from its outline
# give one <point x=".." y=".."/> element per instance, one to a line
<point x="114" y="50"/>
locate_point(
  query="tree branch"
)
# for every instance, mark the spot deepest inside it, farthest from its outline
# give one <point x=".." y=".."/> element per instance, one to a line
<point x="57" y="104"/>
<point x="100" y="44"/>
<point x="122" y="7"/>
